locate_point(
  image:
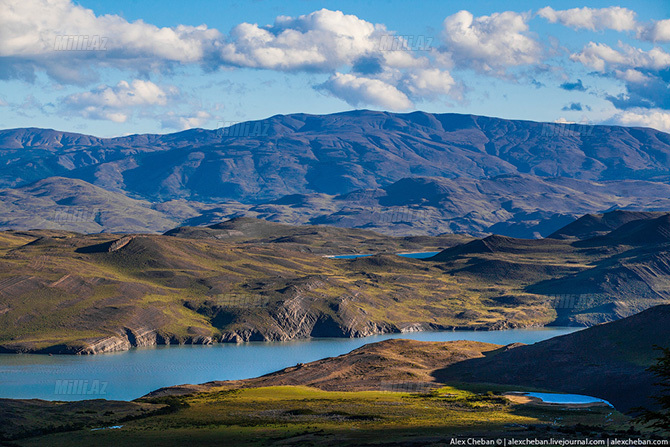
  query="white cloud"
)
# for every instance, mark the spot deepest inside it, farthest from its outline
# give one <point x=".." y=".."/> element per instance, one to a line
<point x="322" y="40"/>
<point x="602" y="57"/>
<point x="598" y="55"/>
<point x="117" y="103"/>
<point x="490" y="43"/>
<point x="326" y="41"/>
<point x="429" y="82"/>
<point x="614" y="17"/>
<point x="656" y="119"/>
<point x="31" y="38"/>
<point x="644" y="73"/>
<point x="174" y="121"/>
<point x="658" y="31"/>
<point x="361" y="90"/>
<point x="631" y="75"/>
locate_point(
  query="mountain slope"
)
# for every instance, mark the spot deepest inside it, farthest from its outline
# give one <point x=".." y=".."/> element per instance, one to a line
<point x="588" y="282"/>
<point x="652" y="230"/>
<point x="63" y="292"/>
<point x="592" y="225"/>
<point x="400" y="174"/>
<point x="606" y="361"/>
<point x="75" y="205"/>
<point x="332" y="154"/>
<point x="518" y="206"/>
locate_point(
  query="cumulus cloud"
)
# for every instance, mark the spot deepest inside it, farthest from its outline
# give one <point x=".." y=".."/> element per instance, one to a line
<point x="116" y="103"/>
<point x="646" y="74"/>
<point x="657" y="31"/>
<point x="656" y="119"/>
<point x="353" y="54"/>
<point x="490" y="43"/>
<point x="320" y="41"/>
<point x="358" y="90"/>
<point x="429" y="82"/>
<point x="383" y="69"/>
<point x="615" y="18"/>
<point x="52" y="34"/>
<point x="71" y="44"/>
<point x="602" y="57"/>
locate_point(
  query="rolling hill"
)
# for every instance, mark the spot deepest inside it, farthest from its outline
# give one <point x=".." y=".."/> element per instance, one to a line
<point x="248" y="279"/>
<point x="59" y="203"/>
<point x="519" y="206"/>
<point x="592" y="225"/>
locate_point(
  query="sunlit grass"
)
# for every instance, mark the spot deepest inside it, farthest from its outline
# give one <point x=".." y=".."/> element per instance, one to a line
<point x="258" y="416"/>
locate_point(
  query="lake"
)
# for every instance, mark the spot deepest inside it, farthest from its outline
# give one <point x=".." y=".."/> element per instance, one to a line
<point x="554" y="398"/>
<point x="415" y="255"/>
<point x="131" y="374"/>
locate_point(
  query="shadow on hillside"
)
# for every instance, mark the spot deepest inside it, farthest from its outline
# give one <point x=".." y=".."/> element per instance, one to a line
<point x="97" y="248"/>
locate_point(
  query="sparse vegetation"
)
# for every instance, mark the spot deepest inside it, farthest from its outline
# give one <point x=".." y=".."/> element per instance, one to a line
<point x="250" y="280"/>
<point x="307" y="416"/>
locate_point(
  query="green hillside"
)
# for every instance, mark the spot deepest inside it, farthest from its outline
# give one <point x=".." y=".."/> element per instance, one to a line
<point x="247" y="279"/>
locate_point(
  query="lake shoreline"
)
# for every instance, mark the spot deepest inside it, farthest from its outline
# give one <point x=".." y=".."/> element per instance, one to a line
<point x="114" y="344"/>
<point x="134" y="373"/>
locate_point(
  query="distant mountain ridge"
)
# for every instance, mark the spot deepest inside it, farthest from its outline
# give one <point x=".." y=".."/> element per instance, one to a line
<point x="398" y="173"/>
<point x="592" y="225"/>
<point x="333" y="154"/>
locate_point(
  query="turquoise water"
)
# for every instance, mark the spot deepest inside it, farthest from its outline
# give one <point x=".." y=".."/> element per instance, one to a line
<point x="417" y="255"/>
<point x="131" y="374"/>
<point x="553" y="398"/>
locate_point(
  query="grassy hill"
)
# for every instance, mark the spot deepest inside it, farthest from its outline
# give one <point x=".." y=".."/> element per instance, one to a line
<point x="247" y="279"/>
<point x="592" y="225"/>
<point x="297" y="416"/>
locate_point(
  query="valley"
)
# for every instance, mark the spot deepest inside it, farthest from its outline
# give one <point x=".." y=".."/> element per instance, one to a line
<point x="317" y="223"/>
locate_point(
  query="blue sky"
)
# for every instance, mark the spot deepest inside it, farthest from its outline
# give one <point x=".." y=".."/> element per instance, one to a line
<point x="163" y="66"/>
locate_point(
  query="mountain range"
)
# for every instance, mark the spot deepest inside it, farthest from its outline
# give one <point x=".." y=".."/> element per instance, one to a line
<point x="415" y="173"/>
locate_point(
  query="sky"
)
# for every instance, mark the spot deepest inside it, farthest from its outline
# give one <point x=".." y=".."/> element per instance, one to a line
<point x="143" y="66"/>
